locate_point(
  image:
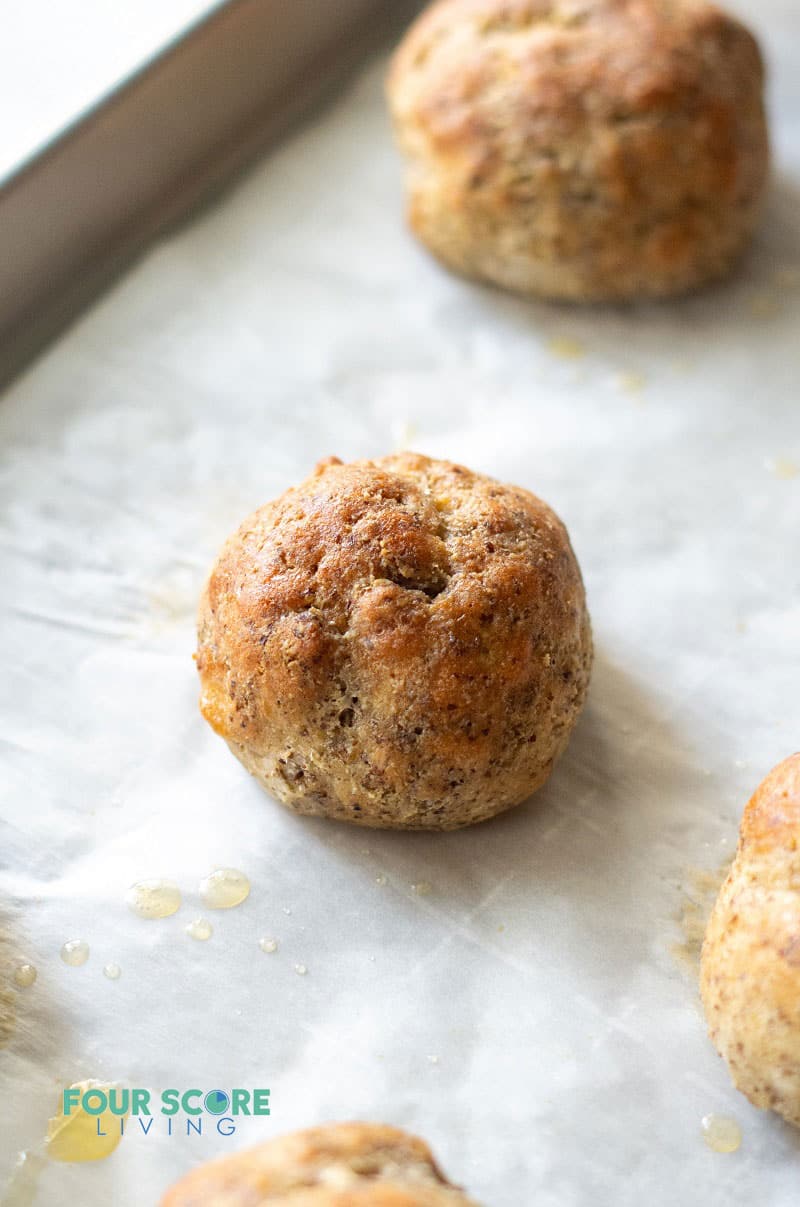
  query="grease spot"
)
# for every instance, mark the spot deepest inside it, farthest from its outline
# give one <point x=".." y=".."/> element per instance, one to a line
<point x="721" y="1133"/>
<point x="154" y="898"/>
<point x="224" y="888"/>
<point x="566" y="348"/>
<point x="700" y="890"/>
<point x="75" y="952"/>
<point x="78" y="1137"/>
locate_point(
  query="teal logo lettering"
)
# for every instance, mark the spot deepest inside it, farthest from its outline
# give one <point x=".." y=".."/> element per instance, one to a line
<point x="184" y="1112"/>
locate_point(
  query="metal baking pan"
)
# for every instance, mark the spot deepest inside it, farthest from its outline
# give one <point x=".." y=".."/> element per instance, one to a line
<point x="165" y="139"/>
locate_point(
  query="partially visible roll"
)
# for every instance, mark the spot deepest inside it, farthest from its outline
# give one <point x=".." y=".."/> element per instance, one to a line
<point x="582" y="149"/>
<point x="750" y="968"/>
<point x="340" y="1165"/>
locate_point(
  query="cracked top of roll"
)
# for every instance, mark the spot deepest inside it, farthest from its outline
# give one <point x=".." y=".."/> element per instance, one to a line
<point x="399" y="642"/>
<point x="339" y="1165"/>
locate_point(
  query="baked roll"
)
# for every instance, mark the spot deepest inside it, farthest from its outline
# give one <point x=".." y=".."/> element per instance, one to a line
<point x="341" y="1165"/>
<point x="582" y="149"/>
<point x="750" y="965"/>
<point x="397" y="643"/>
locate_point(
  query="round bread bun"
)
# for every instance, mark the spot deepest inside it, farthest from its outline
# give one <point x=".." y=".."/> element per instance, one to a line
<point x="582" y="149"/>
<point x="750" y="966"/>
<point x="340" y="1165"/>
<point x="399" y="643"/>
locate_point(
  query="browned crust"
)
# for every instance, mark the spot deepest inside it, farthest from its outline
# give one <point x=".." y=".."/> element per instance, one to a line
<point x="330" y="1166"/>
<point x="397" y="643"/>
<point x="750" y="971"/>
<point x="585" y="149"/>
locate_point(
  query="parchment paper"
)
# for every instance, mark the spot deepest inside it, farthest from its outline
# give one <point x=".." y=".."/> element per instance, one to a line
<point x="526" y="1016"/>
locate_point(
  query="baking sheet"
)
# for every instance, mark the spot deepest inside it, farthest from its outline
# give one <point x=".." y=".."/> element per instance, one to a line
<point x="528" y="1015"/>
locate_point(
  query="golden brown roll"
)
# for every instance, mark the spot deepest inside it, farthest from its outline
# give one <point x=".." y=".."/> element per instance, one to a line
<point x="333" y="1166"/>
<point x="582" y="149"/>
<point x="750" y="969"/>
<point x="399" y="643"/>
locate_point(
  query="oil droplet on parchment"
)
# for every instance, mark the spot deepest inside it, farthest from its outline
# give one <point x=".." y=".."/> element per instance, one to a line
<point x="154" y="898"/>
<point x="225" y="888"/>
<point x="112" y="971"/>
<point x="721" y="1133"/>
<point x="268" y="945"/>
<point x="81" y="1136"/>
<point x="75" y="952"/>
<point x="782" y="467"/>
<point x="700" y="889"/>
<point x="25" y="975"/>
<point x="422" y="888"/>
<point x="300" y="969"/>
<point x="200" y="929"/>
